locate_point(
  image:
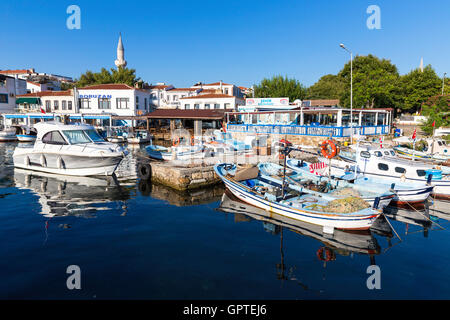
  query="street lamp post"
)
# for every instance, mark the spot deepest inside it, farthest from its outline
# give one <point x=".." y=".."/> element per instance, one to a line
<point x="351" y="91"/>
<point x="443" y="83"/>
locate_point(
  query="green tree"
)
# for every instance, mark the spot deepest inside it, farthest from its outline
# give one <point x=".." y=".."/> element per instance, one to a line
<point x="418" y="86"/>
<point x="279" y="86"/>
<point x="375" y="83"/>
<point x="121" y="75"/>
<point x="437" y="110"/>
<point x="328" y="87"/>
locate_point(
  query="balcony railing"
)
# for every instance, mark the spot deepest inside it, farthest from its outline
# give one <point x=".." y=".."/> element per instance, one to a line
<point x="324" y="131"/>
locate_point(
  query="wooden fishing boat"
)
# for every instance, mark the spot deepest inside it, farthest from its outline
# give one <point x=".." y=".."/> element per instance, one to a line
<point x="304" y="181"/>
<point x="248" y="186"/>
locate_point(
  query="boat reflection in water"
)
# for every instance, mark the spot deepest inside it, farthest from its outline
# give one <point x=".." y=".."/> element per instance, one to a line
<point x="70" y="195"/>
<point x="341" y="242"/>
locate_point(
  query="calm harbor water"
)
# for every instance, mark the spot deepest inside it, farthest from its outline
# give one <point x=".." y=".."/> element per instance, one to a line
<point x="135" y="240"/>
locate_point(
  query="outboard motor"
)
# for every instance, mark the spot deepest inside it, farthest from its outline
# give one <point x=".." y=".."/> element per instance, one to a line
<point x="376" y="203"/>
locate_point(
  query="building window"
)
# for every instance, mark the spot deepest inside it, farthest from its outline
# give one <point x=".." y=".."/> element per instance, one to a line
<point x="122" y="103"/>
<point x="69" y="105"/>
<point x="104" y="103"/>
<point x="175" y="98"/>
<point x="3" y="98"/>
<point x="226" y="90"/>
<point x="64" y="105"/>
<point x="137" y="99"/>
<point x="207" y="106"/>
<point x="84" y="103"/>
<point x="48" y="107"/>
<point x="216" y="106"/>
<point x="227" y="106"/>
<point x="196" y="106"/>
<point x="56" y="105"/>
<point x="187" y="106"/>
<point x="145" y="103"/>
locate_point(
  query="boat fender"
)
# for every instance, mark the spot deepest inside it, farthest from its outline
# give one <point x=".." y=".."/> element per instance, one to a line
<point x="376" y="203"/>
<point x="429" y="178"/>
<point x="329" y="149"/>
<point x="329" y="254"/>
<point x="60" y="163"/>
<point x="144" y="171"/>
<point x="192" y="141"/>
<point x="176" y="142"/>
<point x="27" y="161"/>
<point x="43" y="161"/>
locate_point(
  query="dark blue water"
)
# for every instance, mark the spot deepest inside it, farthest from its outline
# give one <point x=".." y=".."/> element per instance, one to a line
<point x="133" y="240"/>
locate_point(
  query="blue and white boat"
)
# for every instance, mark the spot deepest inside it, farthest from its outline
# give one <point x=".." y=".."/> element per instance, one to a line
<point x="227" y="138"/>
<point x="25" y="133"/>
<point x="175" y="152"/>
<point x="304" y="181"/>
<point x="248" y="186"/>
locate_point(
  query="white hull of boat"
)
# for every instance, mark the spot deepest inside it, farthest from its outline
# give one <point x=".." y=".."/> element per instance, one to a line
<point x="26" y="138"/>
<point x="99" y="171"/>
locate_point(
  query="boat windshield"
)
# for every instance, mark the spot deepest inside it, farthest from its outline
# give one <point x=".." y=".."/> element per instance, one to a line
<point x="94" y="136"/>
<point x="76" y="136"/>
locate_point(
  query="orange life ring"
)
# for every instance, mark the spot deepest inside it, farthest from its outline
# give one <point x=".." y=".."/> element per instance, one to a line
<point x="325" y="149"/>
<point x="329" y="254"/>
<point x="176" y="142"/>
<point x="192" y="141"/>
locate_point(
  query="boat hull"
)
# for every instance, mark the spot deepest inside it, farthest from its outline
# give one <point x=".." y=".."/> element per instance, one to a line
<point x="26" y="138"/>
<point x="67" y="164"/>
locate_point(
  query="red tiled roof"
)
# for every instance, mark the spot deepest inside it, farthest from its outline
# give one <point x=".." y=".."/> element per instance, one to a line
<point x="108" y="86"/>
<point x="157" y="87"/>
<point x="210" y="96"/>
<point x="47" y="94"/>
<point x="217" y="84"/>
<point x="184" y="89"/>
<point x="14" y="71"/>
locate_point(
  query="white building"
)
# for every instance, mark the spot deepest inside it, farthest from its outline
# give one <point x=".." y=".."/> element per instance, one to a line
<point x="116" y="99"/>
<point x="221" y="87"/>
<point x="211" y="101"/>
<point x="10" y="87"/>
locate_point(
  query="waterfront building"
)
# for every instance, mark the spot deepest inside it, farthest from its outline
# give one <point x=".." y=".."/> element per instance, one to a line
<point x="33" y="78"/>
<point x="222" y="88"/>
<point x="10" y="87"/>
<point x="211" y="101"/>
<point x="319" y="122"/>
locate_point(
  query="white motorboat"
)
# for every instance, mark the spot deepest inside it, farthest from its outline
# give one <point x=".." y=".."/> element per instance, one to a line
<point x="72" y="149"/>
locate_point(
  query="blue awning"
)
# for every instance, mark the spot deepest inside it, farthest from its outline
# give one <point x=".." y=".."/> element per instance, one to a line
<point x="16" y="116"/>
<point x="96" y="117"/>
<point x="41" y="116"/>
<point x="75" y="117"/>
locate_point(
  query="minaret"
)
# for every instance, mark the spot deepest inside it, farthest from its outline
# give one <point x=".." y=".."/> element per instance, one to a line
<point x="120" y="62"/>
<point x="421" y="64"/>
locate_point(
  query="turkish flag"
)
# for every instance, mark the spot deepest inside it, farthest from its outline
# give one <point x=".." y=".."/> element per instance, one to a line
<point x="434" y="122"/>
<point x="414" y="135"/>
<point x="42" y="110"/>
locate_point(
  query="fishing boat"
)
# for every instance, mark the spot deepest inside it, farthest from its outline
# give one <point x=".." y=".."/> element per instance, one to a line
<point x="374" y="165"/>
<point x="248" y="186"/>
<point x="69" y="149"/>
<point x="302" y="180"/>
<point x="404" y="193"/>
<point x="139" y="137"/>
<point x="25" y="133"/>
<point x="175" y="152"/>
<point x="8" y="134"/>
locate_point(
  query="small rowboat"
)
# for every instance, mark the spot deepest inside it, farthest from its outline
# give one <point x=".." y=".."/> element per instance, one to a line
<point x="248" y="186"/>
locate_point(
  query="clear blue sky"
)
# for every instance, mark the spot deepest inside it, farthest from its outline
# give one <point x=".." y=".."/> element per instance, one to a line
<point x="240" y="42"/>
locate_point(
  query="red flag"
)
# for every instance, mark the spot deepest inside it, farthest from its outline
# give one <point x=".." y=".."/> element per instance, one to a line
<point x="414" y="134"/>
<point x="433" y="123"/>
<point x="42" y="110"/>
